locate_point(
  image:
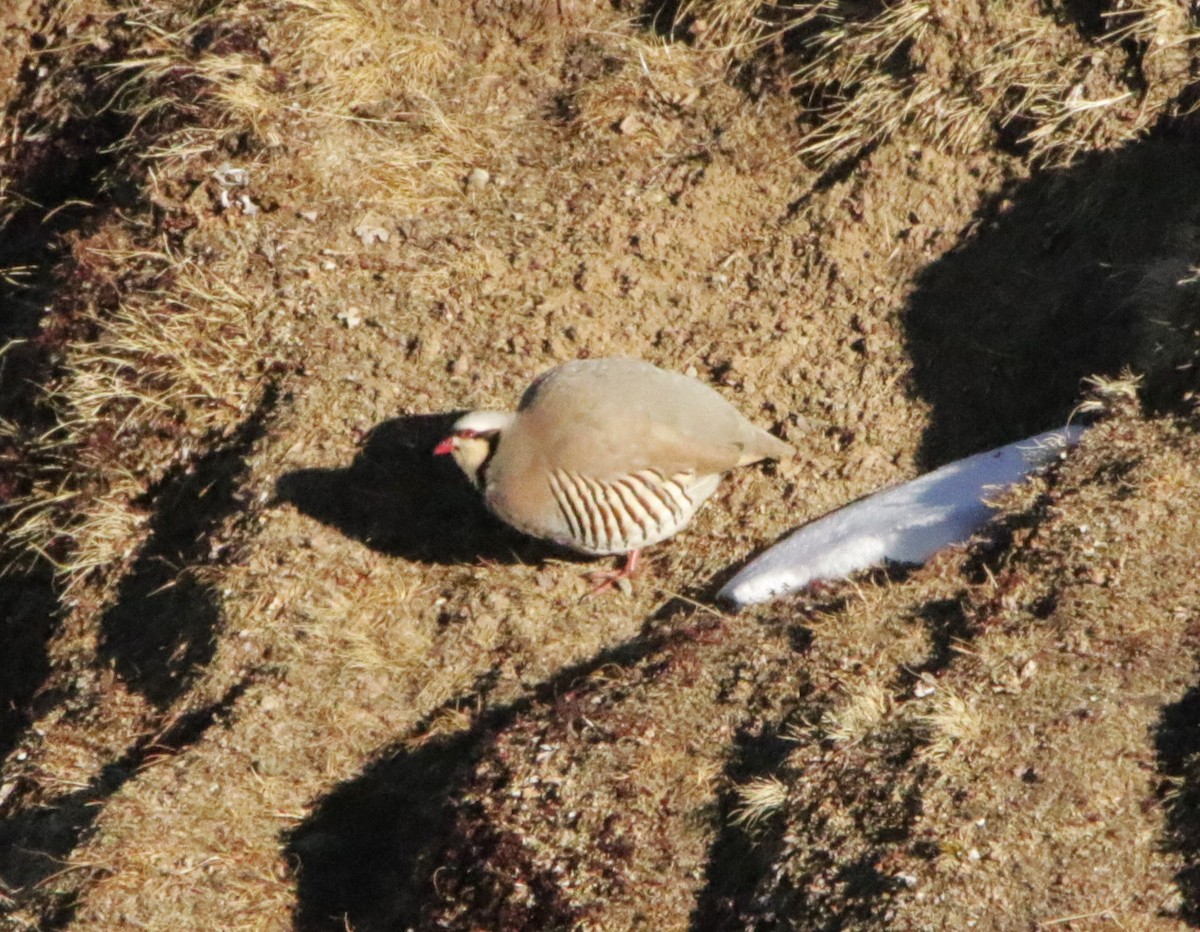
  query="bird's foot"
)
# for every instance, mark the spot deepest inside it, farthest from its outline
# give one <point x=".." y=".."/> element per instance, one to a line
<point x="619" y="578"/>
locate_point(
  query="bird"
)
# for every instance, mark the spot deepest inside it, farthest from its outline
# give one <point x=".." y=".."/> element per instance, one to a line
<point x="606" y="456"/>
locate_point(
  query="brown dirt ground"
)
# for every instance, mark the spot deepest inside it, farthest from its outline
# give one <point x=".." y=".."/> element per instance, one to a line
<point x="266" y="663"/>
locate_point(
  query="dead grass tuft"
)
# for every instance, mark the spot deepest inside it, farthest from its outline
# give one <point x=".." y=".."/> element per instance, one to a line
<point x="367" y="91"/>
<point x="359" y="82"/>
<point x="955" y="723"/>
<point x="862" y="711"/>
<point x="158" y="377"/>
<point x="360" y="57"/>
<point x="184" y="83"/>
<point x="189" y="352"/>
<point x="758" y="800"/>
<point x="1105" y="395"/>
<point x="866" y="72"/>
<point x="736" y="28"/>
<point x="644" y="94"/>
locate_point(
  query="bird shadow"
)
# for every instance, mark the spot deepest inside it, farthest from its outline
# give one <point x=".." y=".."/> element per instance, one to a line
<point x="400" y="499"/>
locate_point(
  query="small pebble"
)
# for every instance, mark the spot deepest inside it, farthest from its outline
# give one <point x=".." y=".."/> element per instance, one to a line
<point x="478" y="179"/>
<point x="630" y="125"/>
<point x="370" y="231"/>
<point x="227" y="176"/>
<point x="429" y="348"/>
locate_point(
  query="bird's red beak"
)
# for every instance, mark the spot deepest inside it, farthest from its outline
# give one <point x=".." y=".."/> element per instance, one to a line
<point x="446" y="446"/>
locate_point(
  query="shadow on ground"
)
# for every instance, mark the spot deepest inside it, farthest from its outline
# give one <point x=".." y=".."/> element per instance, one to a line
<point x="368" y="856"/>
<point x="52" y="172"/>
<point x="162" y="629"/>
<point x="29" y="614"/>
<point x="738" y="859"/>
<point x="1059" y="278"/>
<point x="400" y="499"/>
<point x="1177" y="742"/>
<point x="1078" y="272"/>
<point x="35" y="842"/>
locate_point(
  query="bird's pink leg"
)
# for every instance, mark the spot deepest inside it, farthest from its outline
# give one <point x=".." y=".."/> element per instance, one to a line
<point x="606" y="579"/>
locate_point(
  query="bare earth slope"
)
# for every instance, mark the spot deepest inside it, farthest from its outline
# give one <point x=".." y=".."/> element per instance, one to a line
<point x="266" y="663"/>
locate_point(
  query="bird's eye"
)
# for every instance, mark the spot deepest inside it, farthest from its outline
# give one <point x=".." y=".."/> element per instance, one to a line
<point x="467" y="434"/>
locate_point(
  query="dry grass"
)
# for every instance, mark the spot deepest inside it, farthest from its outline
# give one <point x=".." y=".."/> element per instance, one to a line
<point x="863" y="711"/>
<point x="647" y="94"/>
<point x="190" y="352"/>
<point x="367" y="91"/>
<point x="955" y="724"/>
<point x="360" y="85"/>
<point x="867" y="72"/>
<point x="163" y="374"/>
<point x="293" y="675"/>
<point x="758" y="800"/>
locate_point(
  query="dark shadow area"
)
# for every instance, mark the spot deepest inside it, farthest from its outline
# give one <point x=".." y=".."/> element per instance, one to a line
<point x="1087" y="15"/>
<point x="1177" y="744"/>
<point x="162" y="629"/>
<point x="66" y="167"/>
<point x="53" y="164"/>
<point x="365" y="857"/>
<point x="660" y="17"/>
<point x="29" y="614"/>
<point x="400" y="499"/>
<point x="1059" y="278"/>
<point x="739" y="860"/>
<point x="56" y="179"/>
<point x="59" y="170"/>
<point x="816" y="863"/>
<point x="947" y="625"/>
<point x="380" y="851"/>
<point x="35" y="841"/>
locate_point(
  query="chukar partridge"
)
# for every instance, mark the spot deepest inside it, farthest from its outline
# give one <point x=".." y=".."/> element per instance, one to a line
<point x="606" y="456"/>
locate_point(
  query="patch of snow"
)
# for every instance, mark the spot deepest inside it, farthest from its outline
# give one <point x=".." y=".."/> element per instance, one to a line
<point x="903" y="524"/>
